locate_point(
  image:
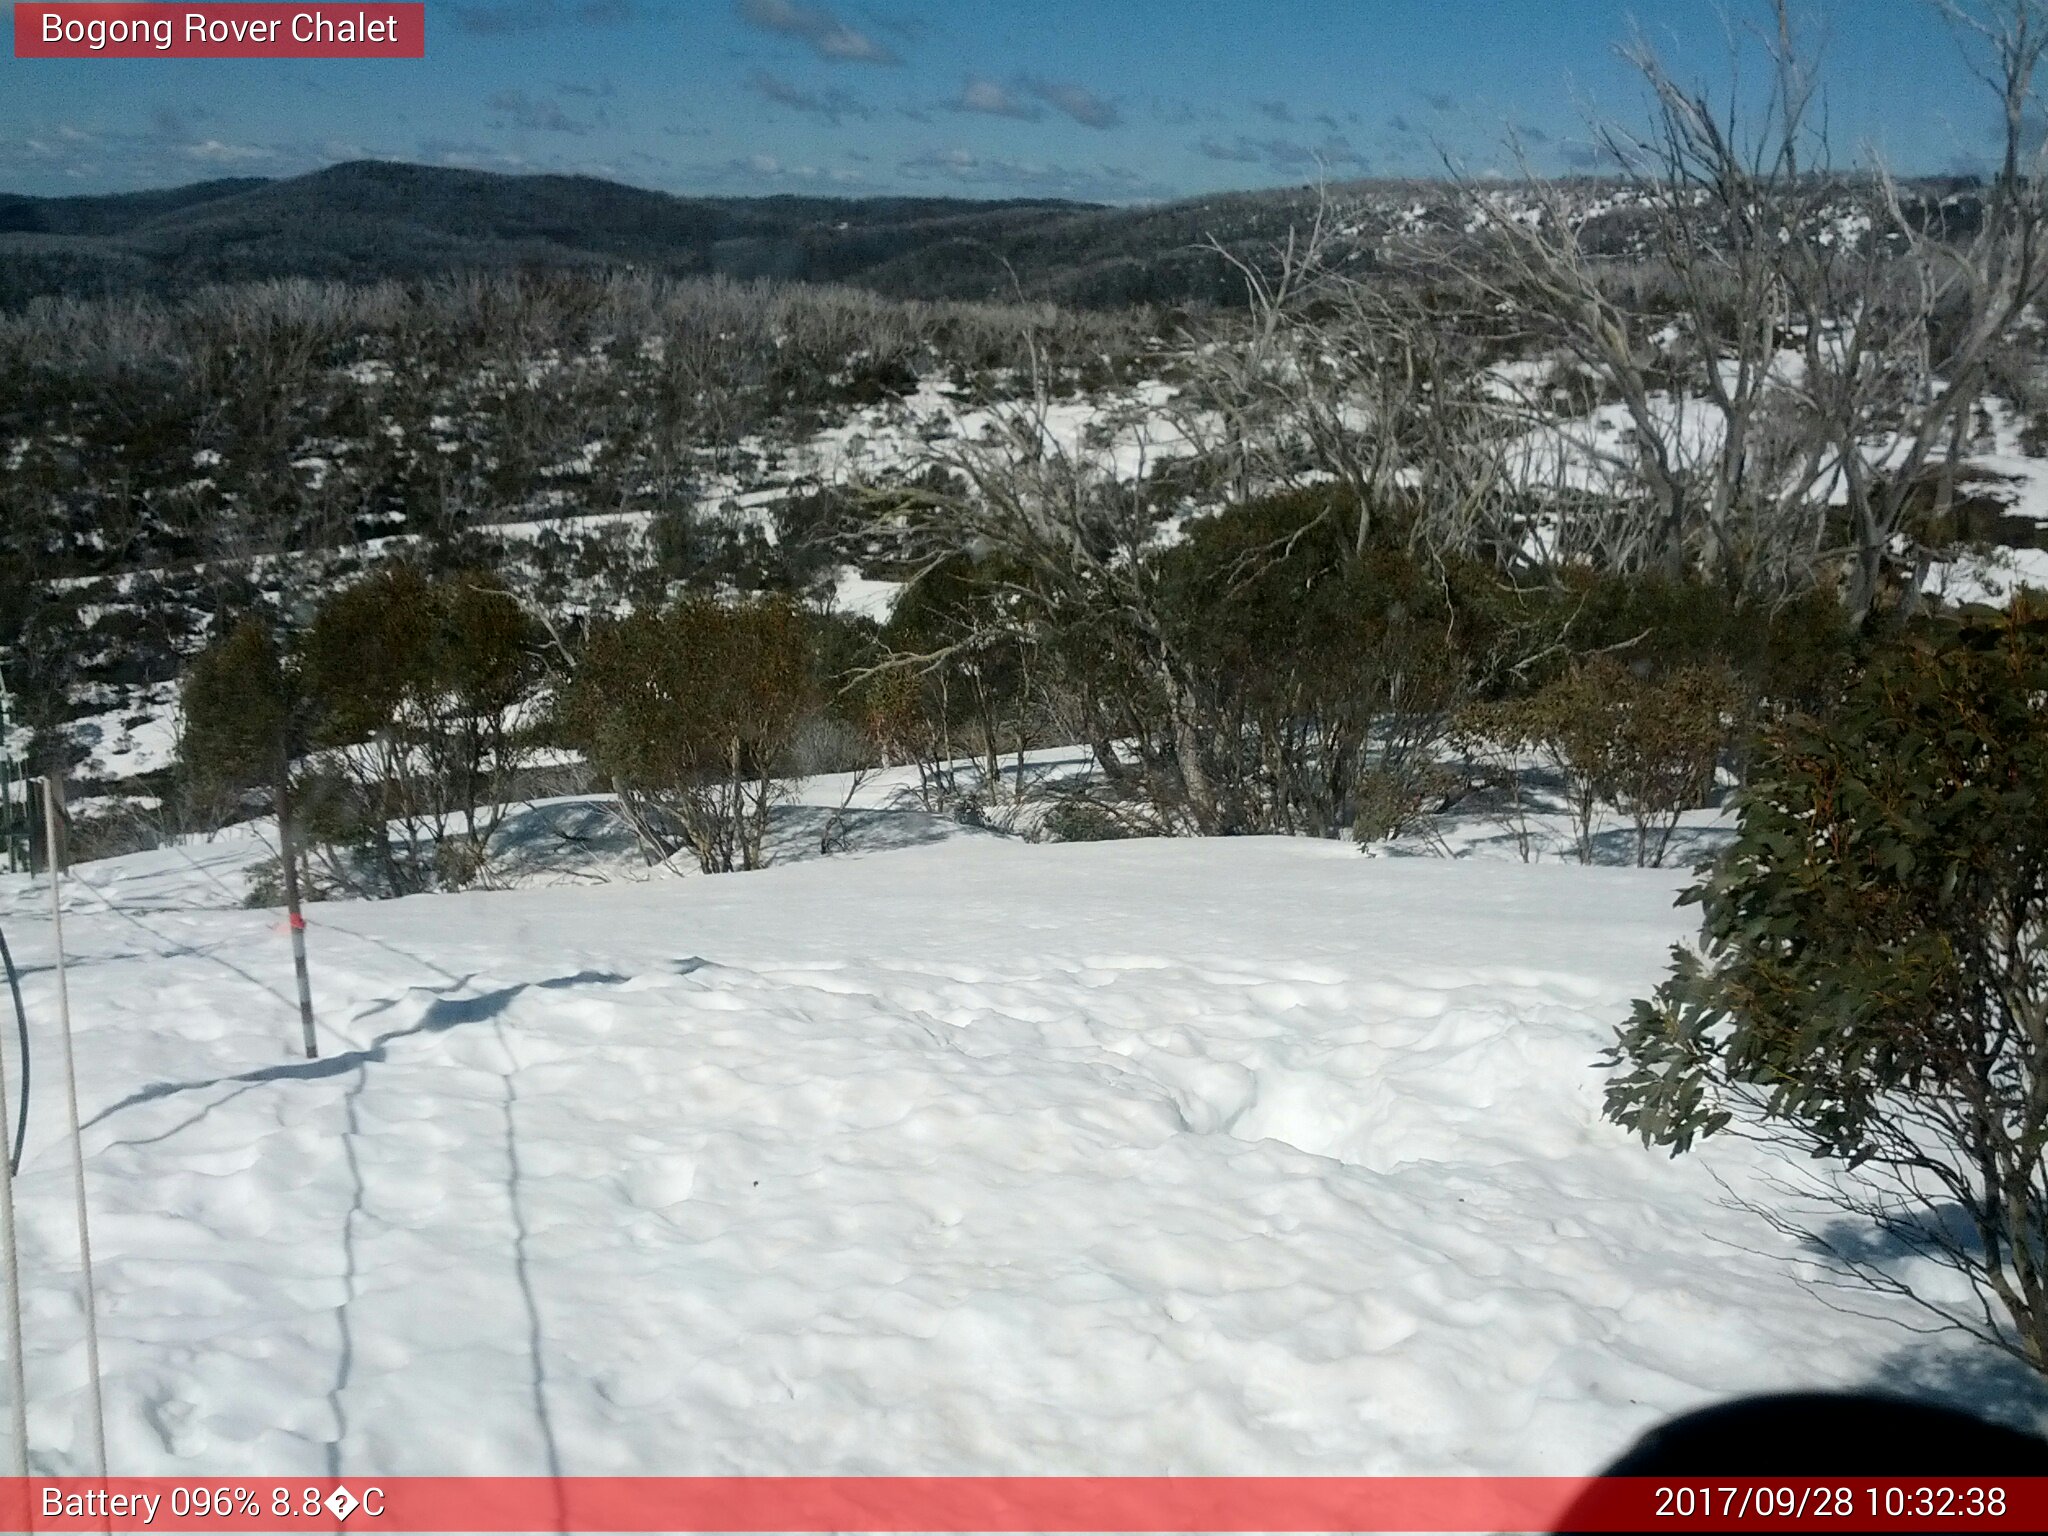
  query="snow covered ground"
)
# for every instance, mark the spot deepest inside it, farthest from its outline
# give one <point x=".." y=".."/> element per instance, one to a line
<point x="965" y="1155"/>
<point x="1988" y="576"/>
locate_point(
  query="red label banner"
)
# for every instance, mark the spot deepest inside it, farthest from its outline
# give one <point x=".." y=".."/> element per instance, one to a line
<point x="1061" y="1504"/>
<point x="219" y="31"/>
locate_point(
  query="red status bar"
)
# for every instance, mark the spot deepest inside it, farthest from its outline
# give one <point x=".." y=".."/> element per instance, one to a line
<point x="919" y="1504"/>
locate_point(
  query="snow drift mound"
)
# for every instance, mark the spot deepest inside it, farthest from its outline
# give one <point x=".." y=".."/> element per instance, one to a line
<point x="1250" y="1156"/>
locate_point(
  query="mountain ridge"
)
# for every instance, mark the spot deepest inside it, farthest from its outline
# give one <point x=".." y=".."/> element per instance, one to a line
<point x="368" y="219"/>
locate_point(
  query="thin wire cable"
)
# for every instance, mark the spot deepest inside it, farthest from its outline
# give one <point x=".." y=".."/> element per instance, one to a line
<point x="16" y="1366"/>
<point x="53" y="793"/>
<point x="21" y="1033"/>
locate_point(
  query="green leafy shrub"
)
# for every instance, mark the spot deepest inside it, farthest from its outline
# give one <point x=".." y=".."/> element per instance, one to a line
<point x="961" y="688"/>
<point x="1794" y="654"/>
<point x="690" y="713"/>
<point x="1874" y="986"/>
<point x="1076" y="820"/>
<point x="1618" y="735"/>
<point x="240" y="705"/>
<point x="418" y="690"/>
<point x="1315" y="667"/>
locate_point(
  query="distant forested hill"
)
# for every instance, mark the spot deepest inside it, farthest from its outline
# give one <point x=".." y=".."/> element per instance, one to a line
<point x="374" y="219"/>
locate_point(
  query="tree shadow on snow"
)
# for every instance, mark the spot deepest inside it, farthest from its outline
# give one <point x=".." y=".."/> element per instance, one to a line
<point x="344" y="1323"/>
<point x="445" y="1012"/>
<point x="1944" y="1365"/>
<point x="1961" y="1373"/>
<point x="562" y="838"/>
<point x="1861" y="1241"/>
<point x="799" y="831"/>
<point x="441" y="1015"/>
<point x="588" y="840"/>
<point x="522" y="1272"/>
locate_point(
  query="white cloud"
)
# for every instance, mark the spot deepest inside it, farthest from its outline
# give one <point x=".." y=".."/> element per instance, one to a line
<point x="827" y="35"/>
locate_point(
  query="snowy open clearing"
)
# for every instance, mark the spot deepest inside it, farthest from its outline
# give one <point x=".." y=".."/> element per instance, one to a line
<point x="1255" y="1156"/>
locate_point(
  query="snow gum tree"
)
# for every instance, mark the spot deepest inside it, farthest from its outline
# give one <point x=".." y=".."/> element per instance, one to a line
<point x="239" y="703"/>
<point x="971" y="678"/>
<point x="418" y="688"/>
<point x="244" y="719"/>
<point x="1873" y="991"/>
<point x="690" y="713"/>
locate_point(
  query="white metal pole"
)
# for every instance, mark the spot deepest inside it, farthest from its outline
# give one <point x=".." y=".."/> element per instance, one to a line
<point x="53" y="801"/>
<point x="294" y="916"/>
<point x="17" y="1372"/>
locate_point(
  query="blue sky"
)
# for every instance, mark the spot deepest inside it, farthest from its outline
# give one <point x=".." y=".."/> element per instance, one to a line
<point x="1109" y="100"/>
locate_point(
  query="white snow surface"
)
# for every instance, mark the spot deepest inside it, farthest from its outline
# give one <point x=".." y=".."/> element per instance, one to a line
<point x="1989" y="577"/>
<point x="1246" y="1156"/>
<point x="1122" y="432"/>
<point x="137" y="735"/>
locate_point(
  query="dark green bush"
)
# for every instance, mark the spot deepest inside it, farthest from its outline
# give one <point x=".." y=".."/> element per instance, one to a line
<point x="1874" y="987"/>
<point x="1083" y="821"/>
<point x="418" y="688"/>
<point x="1316" y="664"/>
<point x="1644" y="742"/>
<point x="964" y="684"/>
<point x="401" y="711"/>
<point x="1793" y="655"/>
<point x="690" y="713"/>
<point x="240" y="703"/>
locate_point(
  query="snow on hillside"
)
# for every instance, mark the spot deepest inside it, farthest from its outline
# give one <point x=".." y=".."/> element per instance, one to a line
<point x="1988" y="576"/>
<point x="128" y="730"/>
<point x="1130" y="430"/>
<point x="1153" y="1157"/>
<point x="136" y="734"/>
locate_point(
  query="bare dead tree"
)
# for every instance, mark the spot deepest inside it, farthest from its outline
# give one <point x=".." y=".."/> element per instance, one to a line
<point x="1072" y="525"/>
<point x="1329" y="375"/>
<point x="1712" y="448"/>
<point x="1830" y="336"/>
<point x="2002" y="43"/>
<point x="1907" y="363"/>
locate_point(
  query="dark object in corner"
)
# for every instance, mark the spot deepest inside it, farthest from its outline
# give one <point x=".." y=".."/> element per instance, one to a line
<point x="1829" y="1434"/>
